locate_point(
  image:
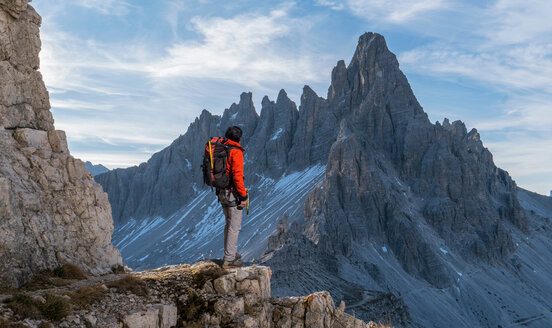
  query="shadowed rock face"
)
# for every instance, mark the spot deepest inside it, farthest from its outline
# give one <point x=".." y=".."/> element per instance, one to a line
<point x="51" y="210"/>
<point x="391" y="170"/>
<point x="400" y="186"/>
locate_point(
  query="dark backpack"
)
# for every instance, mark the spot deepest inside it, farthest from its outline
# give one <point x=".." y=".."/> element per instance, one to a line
<point x="214" y="163"/>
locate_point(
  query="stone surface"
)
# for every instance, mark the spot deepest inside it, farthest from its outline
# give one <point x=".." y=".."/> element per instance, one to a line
<point x="50" y="210"/>
<point x="224" y="286"/>
<point x="315" y="310"/>
<point x="25" y="102"/>
<point x="168" y="315"/>
<point x="142" y="319"/>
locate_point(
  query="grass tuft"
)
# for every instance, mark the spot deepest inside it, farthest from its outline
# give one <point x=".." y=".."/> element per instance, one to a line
<point x="194" y="307"/>
<point x="4" y="323"/>
<point x="69" y="271"/>
<point x="54" y="278"/>
<point x="131" y="284"/>
<point x="42" y="280"/>
<point x="55" y="308"/>
<point x="24" y="306"/>
<point x="205" y="272"/>
<point x="118" y="269"/>
<point x="86" y="296"/>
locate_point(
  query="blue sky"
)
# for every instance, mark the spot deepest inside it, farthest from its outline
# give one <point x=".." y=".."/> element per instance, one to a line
<point x="128" y="77"/>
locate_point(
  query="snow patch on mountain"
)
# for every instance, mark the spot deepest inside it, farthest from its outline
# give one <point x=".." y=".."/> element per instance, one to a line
<point x="195" y="231"/>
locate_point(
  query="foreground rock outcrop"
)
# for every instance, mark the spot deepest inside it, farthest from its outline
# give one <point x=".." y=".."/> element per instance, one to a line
<point x="199" y="295"/>
<point x="51" y="210"/>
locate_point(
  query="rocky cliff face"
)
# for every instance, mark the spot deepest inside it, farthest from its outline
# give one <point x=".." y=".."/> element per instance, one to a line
<point x="51" y="210"/>
<point x="391" y="169"/>
<point x="401" y="194"/>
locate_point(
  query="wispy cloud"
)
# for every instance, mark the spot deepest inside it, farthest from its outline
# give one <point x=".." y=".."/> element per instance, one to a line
<point x="332" y="4"/>
<point x="112" y="92"/>
<point x="244" y="49"/>
<point x="397" y="11"/>
<point x="73" y="104"/>
<point x="172" y="15"/>
<point x="106" y="7"/>
<point x="526" y="158"/>
<point x="527" y="67"/>
<point x="509" y="50"/>
<point x="507" y="22"/>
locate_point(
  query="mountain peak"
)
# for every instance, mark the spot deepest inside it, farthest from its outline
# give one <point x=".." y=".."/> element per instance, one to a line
<point x="265" y="102"/>
<point x="282" y="95"/>
<point x="246" y="98"/>
<point x="369" y="37"/>
<point x="371" y="49"/>
<point x="339" y="81"/>
<point x="242" y="114"/>
<point x="308" y="92"/>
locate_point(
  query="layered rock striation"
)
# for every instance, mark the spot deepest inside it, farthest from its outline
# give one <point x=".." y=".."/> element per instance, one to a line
<point x="51" y="210"/>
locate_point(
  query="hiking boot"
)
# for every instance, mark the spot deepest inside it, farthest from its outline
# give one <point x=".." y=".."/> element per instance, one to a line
<point x="236" y="263"/>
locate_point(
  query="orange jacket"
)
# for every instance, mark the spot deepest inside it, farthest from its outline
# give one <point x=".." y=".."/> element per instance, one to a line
<point x="235" y="167"/>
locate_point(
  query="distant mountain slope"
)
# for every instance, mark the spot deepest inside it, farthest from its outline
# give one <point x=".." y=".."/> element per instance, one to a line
<point x="537" y="204"/>
<point x="194" y="232"/>
<point x="408" y="221"/>
<point x="95" y="169"/>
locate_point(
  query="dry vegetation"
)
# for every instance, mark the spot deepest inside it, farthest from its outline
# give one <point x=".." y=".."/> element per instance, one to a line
<point x="86" y="296"/>
<point x="132" y="284"/>
<point x="60" y="276"/>
<point x="48" y="306"/>
<point x="52" y="307"/>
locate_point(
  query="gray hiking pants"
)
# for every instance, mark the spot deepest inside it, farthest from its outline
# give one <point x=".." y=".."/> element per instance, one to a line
<point x="233" y="225"/>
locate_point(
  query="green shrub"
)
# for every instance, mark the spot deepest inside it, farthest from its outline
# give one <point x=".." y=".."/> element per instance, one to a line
<point x="55" y="308"/>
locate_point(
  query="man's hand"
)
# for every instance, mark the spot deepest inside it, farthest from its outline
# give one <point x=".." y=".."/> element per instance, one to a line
<point x="243" y="204"/>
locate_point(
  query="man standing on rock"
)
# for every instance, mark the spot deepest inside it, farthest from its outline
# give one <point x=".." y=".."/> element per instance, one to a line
<point x="233" y="199"/>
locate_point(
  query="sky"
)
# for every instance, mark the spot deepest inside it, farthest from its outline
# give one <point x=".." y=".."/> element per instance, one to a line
<point x="126" y="77"/>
